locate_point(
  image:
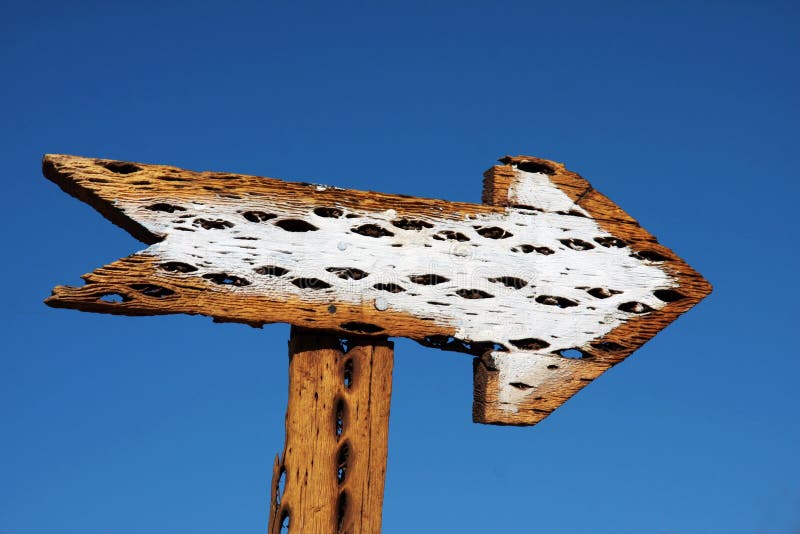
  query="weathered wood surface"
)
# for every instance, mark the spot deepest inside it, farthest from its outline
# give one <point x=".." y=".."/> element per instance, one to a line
<point x="546" y="269"/>
<point x="513" y="388"/>
<point x="330" y="477"/>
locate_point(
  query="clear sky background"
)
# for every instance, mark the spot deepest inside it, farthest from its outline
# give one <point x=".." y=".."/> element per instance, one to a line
<point x="684" y="113"/>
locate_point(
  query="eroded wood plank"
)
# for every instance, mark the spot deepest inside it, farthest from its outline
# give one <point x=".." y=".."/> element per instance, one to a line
<point x="549" y="269"/>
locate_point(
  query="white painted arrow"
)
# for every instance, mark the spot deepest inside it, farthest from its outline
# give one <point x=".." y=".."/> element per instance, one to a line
<point x="525" y="285"/>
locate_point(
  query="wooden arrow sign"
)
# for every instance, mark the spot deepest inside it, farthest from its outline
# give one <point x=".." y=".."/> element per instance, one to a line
<point x="548" y="283"/>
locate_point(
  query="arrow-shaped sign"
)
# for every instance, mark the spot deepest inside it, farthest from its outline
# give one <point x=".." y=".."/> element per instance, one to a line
<point x="548" y="283"/>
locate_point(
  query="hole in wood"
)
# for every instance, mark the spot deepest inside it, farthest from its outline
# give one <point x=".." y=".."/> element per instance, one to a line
<point x="532" y="166"/>
<point x="172" y="179"/>
<point x="510" y="281"/>
<point x="572" y="213"/>
<point x="310" y="283"/>
<point x="529" y="343"/>
<point x="494" y="232"/>
<point x="634" y="307"/>
<point x="121" y="167"/>
<point x="445" y="235"/>
<point x="391" y="288"/>
<point x="163" y="206"/>
<point x="473" y="294"/>
<point x="411" y="224"/>
<point x="177" y="267"/>
<point x="347" y="273"/>
<point x="281" y="486"/>
<point x="152" y="290"/>
<point x="527" y="249"/>
<point x="602" y="292"/>
<point x="347" y="373"/>
<point x="341" y="510"/>
<point x="271" y="270"/>
<point x="608" y="346"/>
<point x="571" y="353"/>
<point x="258" y="216"/>
<point x="372" y="230"/>
<point x="476" y="348"/>
<point x="342" y="456"/>
<point x="330" y="213"/>
<point x="285" y="519"/>
<point x="551" y="300"/>
<point x="520" y="385"/>
<point x="649" y="255"/>
<point x="610" y="241"/>
<point x="216" y="224"/>
<point x="295" y="225"/>
<point x="428" y="279"/>
<point x="226" y="279"/>
<point x="482" y="347"/>
<point x="668" y="295"/>
<point x="577" y="244"/>
<point x="552" y="367"/>
<point x="339" y="420"/>
<point x="114" y="298"/>
<point x="365" y="328"/>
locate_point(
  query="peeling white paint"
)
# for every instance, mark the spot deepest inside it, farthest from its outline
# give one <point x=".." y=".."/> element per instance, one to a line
<point x="528" y="370"/>
<point x="510" y="314"/>
<point x="536" y="190"/>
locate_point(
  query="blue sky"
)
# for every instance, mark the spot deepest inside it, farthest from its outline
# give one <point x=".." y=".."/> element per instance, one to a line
<point x="684" y="113"/>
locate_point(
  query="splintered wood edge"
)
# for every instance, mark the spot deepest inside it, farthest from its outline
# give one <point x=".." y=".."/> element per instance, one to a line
<point x="136" y="286"/>
<point x="569" y="376"/>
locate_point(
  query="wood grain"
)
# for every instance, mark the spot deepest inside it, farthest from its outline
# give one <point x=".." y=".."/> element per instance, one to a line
<point x="330" y="477"/>
<point x="485" y="294"/>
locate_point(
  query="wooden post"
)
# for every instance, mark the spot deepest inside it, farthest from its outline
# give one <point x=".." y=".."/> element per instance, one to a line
<point x="331" y="474"/>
